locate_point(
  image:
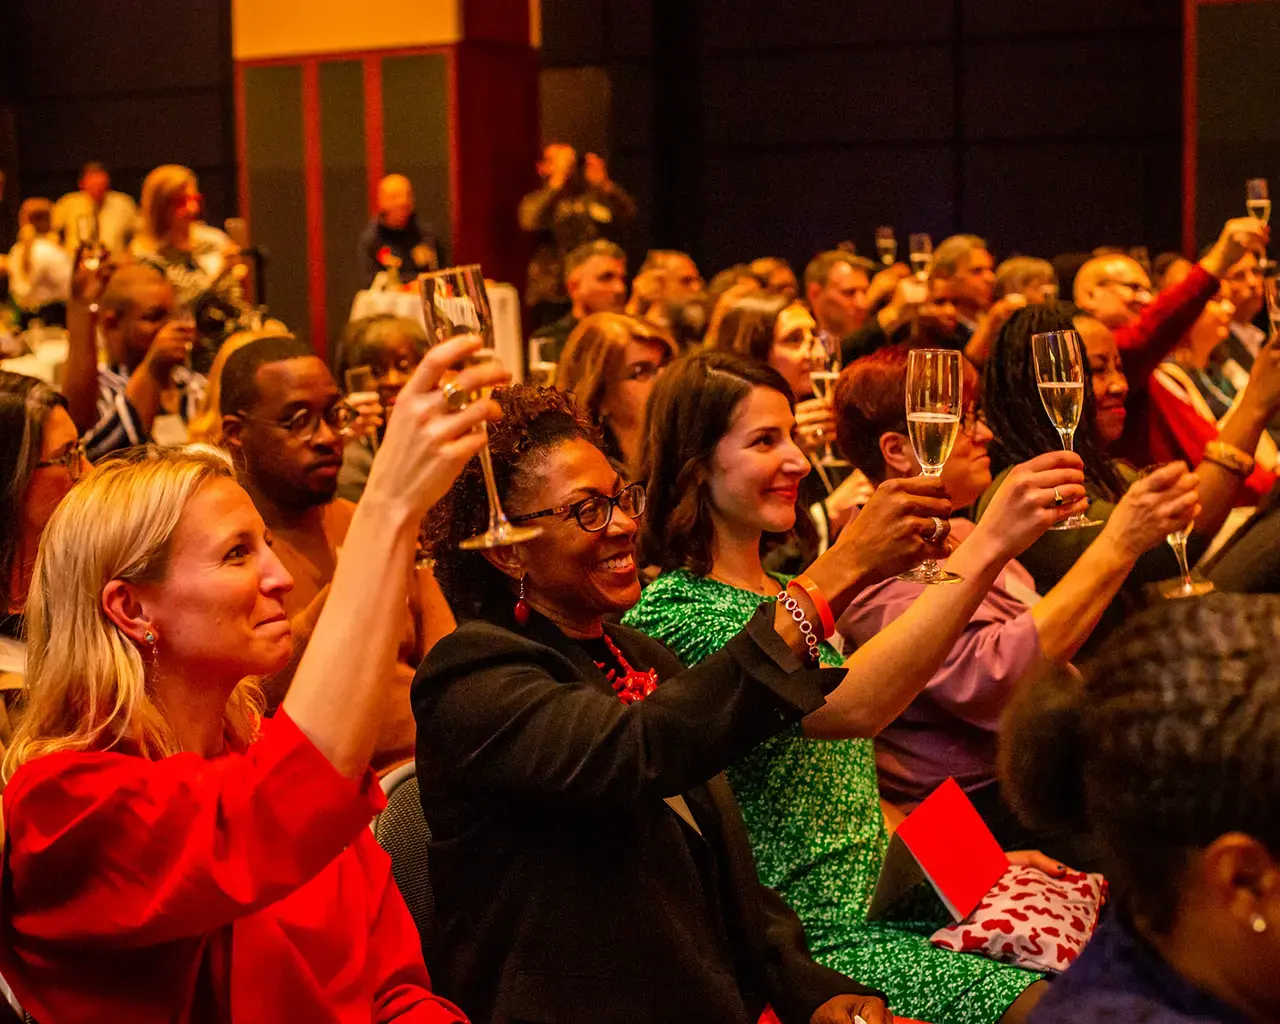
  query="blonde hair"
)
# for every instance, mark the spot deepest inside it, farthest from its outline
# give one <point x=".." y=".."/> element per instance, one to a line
<point x="596" y="352"/>
<point x="206" y="425"/>
<point x="86" y="679"/>
<point x="159" y="192"/>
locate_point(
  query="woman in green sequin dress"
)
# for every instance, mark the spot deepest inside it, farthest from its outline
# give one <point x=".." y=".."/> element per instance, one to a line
<point x="812" y="807"/>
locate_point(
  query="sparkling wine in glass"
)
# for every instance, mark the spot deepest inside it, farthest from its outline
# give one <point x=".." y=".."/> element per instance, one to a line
<point x="934" y="405"/>
<point x="1257" y="199"/>
<point x="824" y="371"/>
<point x="1271" y="288"/>
<point x="362" y="386"/>
<point x="886" y="245"/>
<point x="921" y="249"/>
<point x="1059" y="369"/>
<point x="454" y="302"/>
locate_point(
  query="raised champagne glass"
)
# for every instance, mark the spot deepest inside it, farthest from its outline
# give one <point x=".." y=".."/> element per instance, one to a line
<point x="362" y="386"/>
<point x="1059" y="369"/>
<point x="921" y="249"/>
<point x="824" y="371"/>
<point x="934" y="405"/>
<point x="1257" y="199"/>
<point x="886" y="245"/>
<point x="454" y="302"/>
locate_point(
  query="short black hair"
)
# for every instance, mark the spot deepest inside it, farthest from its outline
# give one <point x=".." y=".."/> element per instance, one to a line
<point x="239" y="391"/>
<point x="1168" y="741"/>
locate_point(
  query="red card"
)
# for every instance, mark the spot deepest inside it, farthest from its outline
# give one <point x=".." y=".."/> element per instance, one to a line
<point x="955" y="849"/>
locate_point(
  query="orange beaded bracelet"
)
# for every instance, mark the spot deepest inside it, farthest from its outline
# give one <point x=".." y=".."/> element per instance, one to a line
<point x="819" y="602"/>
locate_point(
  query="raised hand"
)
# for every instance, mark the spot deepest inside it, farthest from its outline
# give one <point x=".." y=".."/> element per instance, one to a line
<point x="1164" y="501"/>
<point x="1033" y="496"/>
<point x="1239" y="235"/>
<point x="427" y="445"/>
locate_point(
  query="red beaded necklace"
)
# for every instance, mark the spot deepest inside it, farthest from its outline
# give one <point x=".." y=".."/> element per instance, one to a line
<point x="633" y="685"/>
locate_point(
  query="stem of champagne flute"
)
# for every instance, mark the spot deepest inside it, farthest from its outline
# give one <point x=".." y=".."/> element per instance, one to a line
<point x="1068" y="440"/>
<point x="497" y="518"/>
<point x="1178" y="542"/>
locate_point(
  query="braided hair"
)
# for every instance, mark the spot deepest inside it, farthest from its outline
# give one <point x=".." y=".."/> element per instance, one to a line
<point x="1011" y="401"/>
<point x="1170" y="740"/>
<point x="534" y="421"/>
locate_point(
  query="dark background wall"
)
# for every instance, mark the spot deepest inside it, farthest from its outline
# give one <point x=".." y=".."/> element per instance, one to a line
<point x="133" y="85"/>
<point x="784" y="126"/>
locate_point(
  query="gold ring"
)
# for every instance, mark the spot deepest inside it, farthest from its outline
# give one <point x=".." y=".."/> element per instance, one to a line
<point x="1058" y="499"/>
<point x="455" y="399"/>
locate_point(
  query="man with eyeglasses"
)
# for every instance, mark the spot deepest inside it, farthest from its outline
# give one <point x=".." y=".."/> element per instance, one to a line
<point x="1116" y="290"/>
<point x="286" y="423"/>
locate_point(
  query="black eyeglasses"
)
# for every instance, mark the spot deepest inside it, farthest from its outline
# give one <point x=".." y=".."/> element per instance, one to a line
<point x="304" y="423"/>
<point x="72" y="460"/>
<point x="596" y="512"/>
<point x="971" y="419"/>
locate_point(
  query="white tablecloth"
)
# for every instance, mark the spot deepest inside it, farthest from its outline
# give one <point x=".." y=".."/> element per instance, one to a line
<point x="504" y="302"/>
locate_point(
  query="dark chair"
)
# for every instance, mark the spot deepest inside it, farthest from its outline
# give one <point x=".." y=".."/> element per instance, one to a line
<point x="402" y="831"/>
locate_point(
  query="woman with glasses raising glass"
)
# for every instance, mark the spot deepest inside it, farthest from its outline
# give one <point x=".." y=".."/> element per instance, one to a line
<point x="609" y="365"/>
<point x="950" y="729"/>
<point x="586" y="853"/>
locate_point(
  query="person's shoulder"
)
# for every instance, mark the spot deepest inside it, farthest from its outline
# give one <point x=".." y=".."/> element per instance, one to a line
<point x="80" y="776"/>
<point x="476" y="643"/>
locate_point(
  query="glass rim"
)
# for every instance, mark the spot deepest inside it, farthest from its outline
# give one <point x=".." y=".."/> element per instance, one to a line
<point x="443" y="271"/>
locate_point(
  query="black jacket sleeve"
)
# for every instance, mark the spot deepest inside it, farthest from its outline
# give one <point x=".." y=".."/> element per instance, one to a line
<point x="496" y="711"/>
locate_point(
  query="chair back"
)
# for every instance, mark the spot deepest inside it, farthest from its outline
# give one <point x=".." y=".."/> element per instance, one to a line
<point x="403" y="832"/>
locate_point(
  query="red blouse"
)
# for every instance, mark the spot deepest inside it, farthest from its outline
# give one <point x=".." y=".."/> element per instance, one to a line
<point x="244" y="888"/>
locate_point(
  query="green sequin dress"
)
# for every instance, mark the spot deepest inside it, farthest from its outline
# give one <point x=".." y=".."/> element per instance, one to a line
<point x="812" y="808"/>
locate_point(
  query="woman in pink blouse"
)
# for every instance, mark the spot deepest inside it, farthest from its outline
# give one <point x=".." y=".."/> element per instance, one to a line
<point x="950" y="729"/>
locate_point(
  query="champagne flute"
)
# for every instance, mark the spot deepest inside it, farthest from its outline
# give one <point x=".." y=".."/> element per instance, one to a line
<point x="1271" y="289"/>
<point x="454" y="302"/>
<point x="362" y="386"/>
<point x="824" y="371"/>
<point x="1059" y="369"/>
<point x="921" y="249"/>
<point x="1185" y="587"/>
<point x="934" y="400"/>
<point x="1257" y="199"/>
<point x="886" y="245"/>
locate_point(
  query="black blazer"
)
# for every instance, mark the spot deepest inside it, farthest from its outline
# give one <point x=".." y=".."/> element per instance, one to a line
<point x="567" y="890"/>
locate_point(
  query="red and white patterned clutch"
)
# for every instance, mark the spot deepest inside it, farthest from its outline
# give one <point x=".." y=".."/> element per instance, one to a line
<point x="1030" y="920"/>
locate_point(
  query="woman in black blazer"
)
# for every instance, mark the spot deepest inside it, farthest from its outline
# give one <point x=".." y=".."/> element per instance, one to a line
<point x="589" y="863"/>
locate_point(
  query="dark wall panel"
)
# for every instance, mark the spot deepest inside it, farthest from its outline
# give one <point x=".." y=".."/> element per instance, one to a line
<point x="346" y="194"/>
<point x="415" y="102"/>
<point x="273" y="136"/>
<point x="1237" y="134"/>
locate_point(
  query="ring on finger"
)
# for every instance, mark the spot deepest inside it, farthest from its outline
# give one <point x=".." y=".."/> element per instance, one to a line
<point x="1058" y="499"/>
<point x="939" y="528"/>
<point x="455" y="399"/>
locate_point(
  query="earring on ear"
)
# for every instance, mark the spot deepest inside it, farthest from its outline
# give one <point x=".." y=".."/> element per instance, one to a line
<point x="1258" y="923"/>
<point x="150" y="638"/>
<point x="522" y="607"/>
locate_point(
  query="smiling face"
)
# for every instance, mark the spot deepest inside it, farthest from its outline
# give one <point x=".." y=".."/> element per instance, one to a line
<point x="219" y="611"/>
<point x="1106" y="373"/>
<point x="757" y="468"/>
<point x="572" y="575"/>
<point x="792" y="351"/>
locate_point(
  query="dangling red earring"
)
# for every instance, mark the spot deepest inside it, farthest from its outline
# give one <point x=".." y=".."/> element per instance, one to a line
<point x="522" y="607"/>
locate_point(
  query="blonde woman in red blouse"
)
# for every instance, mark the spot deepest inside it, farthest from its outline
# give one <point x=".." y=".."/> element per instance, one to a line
<point x="169" y="857"/>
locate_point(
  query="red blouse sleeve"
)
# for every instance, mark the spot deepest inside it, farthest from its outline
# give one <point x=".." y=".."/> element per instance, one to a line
<point x="402" y="990"/>
<point x="112" y="849"/>
<point x="1189" y="433"/>
<point x="1146" y="343"/>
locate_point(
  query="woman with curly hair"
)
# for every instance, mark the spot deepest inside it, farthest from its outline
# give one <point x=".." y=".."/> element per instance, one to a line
<point x="585" y="851"/>
<point x="1013" y="411"/>
<point x="1166" y="750"/>
<point x="169" y="857"/>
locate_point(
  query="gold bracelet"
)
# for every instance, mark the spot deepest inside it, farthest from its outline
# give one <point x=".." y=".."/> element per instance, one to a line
<point x="1229" y="457"/>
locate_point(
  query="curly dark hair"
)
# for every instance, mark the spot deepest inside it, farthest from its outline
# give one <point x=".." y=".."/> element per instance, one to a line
<point x="689" y="410"/>
<point x="1011" y="401"/>
<point x="534" y="420"/>
<point x="1170" y="740"/>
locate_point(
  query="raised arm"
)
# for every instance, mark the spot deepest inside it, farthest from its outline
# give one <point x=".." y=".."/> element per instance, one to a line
<point x="884" y="675"/>
<point x="1152" y="508"/>
<point x="338" y="689"/>
<point x="80" y="377"/>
